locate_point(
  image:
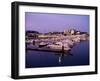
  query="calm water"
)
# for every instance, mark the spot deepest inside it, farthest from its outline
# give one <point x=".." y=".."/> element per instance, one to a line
<point x="79" y="55"/>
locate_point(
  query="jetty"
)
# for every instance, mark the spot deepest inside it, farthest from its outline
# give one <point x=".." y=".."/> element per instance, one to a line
<point x="47" y="50"/>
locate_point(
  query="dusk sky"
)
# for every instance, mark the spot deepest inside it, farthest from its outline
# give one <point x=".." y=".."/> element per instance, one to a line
<point x="47" y="22"/>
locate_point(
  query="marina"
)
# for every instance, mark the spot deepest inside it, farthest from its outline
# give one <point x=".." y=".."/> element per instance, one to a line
<point x="56" y="40"/>
<point x="55" y="44"/>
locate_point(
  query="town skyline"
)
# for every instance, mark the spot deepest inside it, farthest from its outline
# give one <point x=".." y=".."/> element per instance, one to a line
<point x="54" y="31"/>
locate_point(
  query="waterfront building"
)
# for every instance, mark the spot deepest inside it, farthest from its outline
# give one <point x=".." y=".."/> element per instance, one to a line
<point x="69" y="32"/>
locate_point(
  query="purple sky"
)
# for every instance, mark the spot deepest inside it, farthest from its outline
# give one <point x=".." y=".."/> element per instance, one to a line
<point x="47" y="22"/>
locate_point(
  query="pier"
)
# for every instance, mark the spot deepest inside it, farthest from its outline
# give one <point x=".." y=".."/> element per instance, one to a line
<point x="45" y="49"/>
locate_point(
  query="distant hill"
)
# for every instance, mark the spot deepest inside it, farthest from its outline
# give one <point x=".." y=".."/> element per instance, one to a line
<point x="35" y="32"/>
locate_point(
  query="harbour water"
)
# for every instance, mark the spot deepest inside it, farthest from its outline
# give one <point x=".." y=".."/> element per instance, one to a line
<point x="79" y="55"/>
